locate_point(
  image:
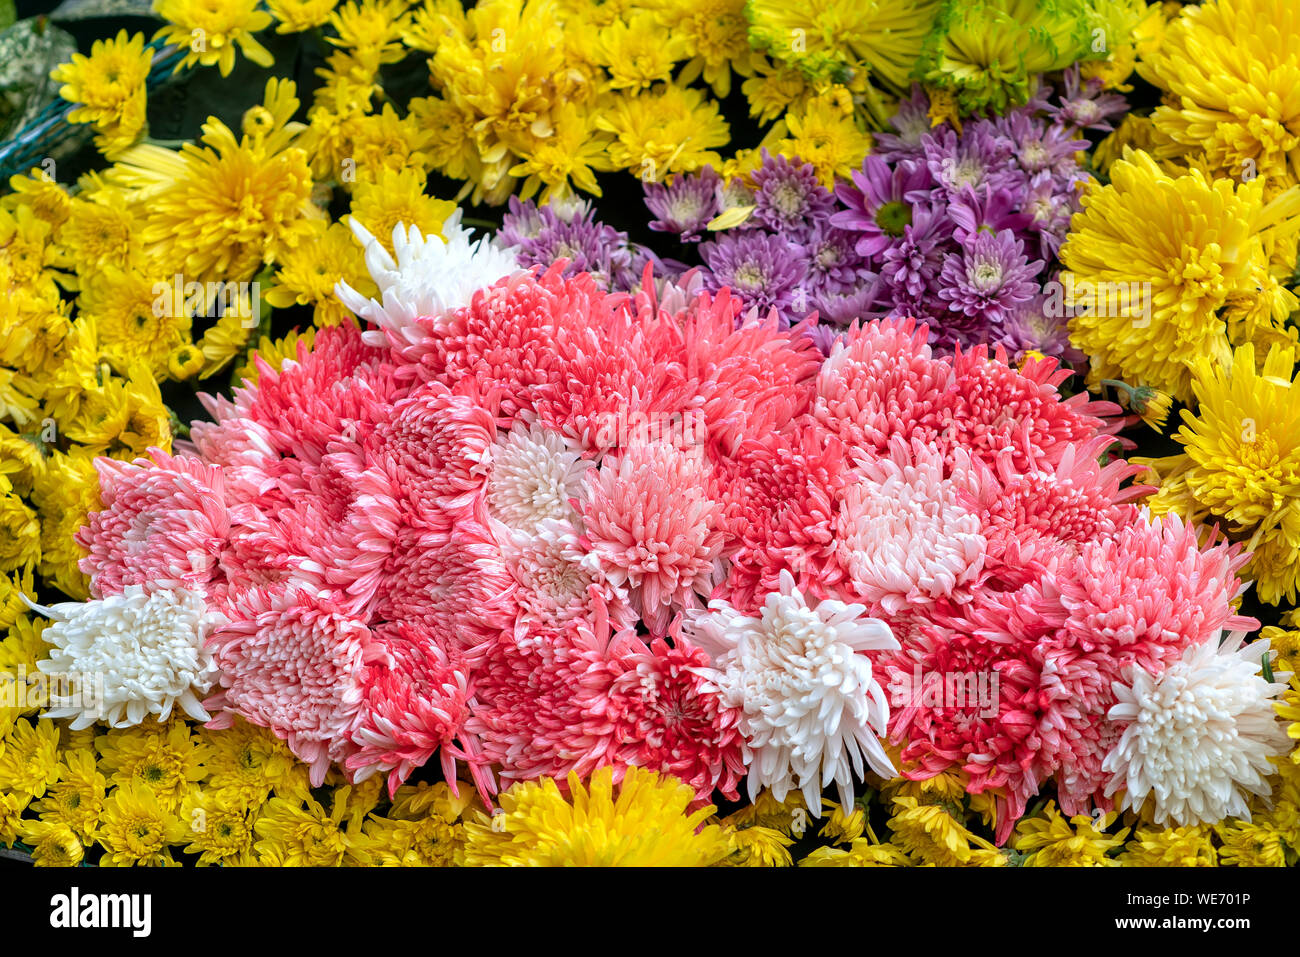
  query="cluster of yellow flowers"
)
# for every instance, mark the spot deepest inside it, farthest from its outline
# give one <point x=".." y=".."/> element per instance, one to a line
<point x="1183" y="267"/>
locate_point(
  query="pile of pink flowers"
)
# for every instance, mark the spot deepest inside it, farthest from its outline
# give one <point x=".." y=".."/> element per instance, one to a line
<point x="537" y="527"/>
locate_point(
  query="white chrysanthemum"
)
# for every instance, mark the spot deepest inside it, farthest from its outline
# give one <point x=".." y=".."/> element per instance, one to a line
<point x="1197" y="736"/>
<point x="535" y="473"/>
<point x="431" y="276"/>
<point x="813" y="710"/>
<point x="905" y="539"/>
<point x="127" y="656"/>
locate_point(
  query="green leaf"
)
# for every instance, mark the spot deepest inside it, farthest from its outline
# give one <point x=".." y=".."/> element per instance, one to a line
<point x="8" y="14"/>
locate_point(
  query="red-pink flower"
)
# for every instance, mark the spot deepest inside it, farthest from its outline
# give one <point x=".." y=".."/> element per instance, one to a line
<point x="163" y="521"/>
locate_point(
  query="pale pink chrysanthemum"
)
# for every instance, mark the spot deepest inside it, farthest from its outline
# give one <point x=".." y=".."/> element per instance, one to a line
<point x="536" y="473"/>
<point x="650" y="522"/>
<point x="558" y="579"/>
<point x="436" y="447"/>
<point x="778" y="494"/>
<point x="414" y="704"/>
<point x="671" y="719"/>
<point x="541" y="704"/>
<point x="514" y="338"/>
<point x="905" y="539"/>
<point x="163" y="521"/>
<point x="1027" y="516"/>
<point x="995" y="409"/>
<point x="293" y="662"/>
<point x="239" y="445"/>
<point x="450" y="578"/>
<point x="882" y="380"/>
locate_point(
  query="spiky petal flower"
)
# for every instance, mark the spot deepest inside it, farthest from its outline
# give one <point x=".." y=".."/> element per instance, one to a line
<point x="429" y="277"/>
<point x="813" y="709"/>
<point x="129" y="656"/>
<point x="686" y="205"/>
<point x="536" y="473"/>
<point x="1198" y="735"/>
<point x="653" y="527"/>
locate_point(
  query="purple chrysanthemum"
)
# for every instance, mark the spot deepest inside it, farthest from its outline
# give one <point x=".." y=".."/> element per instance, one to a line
<point x="990" y="278"/>
<point x="986" y="210"/>
<point x="1037" y="145"/>
<point x="911" y="265"/>
<point x="1049" y="208"/>
<point x="1032" y="326"/>
<point x="843" y="305"/>
<point x="977" y="158"/>
<point x="686" y="205"/>
<point x="763" y="269"/>
<point x="1085" y="106"/>
<point x="879" y="203"/>
<point x="911" y="123"/>
<point x="788" y="196"/>
<point x="833" y="258"/>
<point x="540" y="236"/>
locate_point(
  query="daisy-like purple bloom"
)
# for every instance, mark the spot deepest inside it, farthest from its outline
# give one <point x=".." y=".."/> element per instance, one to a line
<point x="986" y="210"/>
<point x="686" y="206"/>
<point x="1033" y="327"/>
<point x="878" y="206"/>
<point x="1049" y="208"/>
<point x="911" y="265"/>
<point x="911" y="123"/>
<point x="540" y="236"/>
<point x="1038" y="145"/>
<point x="763" y="269"/>
<point x="844" y="305"/>
<point x="788" y="196"/>
<point x="990" y="278"/>
<point x="1085" y="106"/>
<point x="978" y="158"/>
<point x="833" y="258"/>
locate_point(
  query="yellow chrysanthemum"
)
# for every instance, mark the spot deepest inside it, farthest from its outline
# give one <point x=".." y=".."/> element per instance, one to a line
<point x="672" y="129"/>
<point x="1251" y="844"/>
<point x="573" y="154"/>
<point x="647" y="823"/>
<point x="295" y="16"/>
<point x="29" y="759"/>
<point x="131" y="327"/>
<point x="136" y="829"/>
<point x="307" y="275"/>
<point x="40" y="192"/>
<point x="861" y="853"/>
<point x="220" y="829"/>
<point x="398" y="197"/>
<point x="12" y="589"/>
<point x="211" y="31"/>
<point x="1150" y="261"/>
<point x="165" y="758"/>
<point x="106" y="85"/>
<point x="1172" y="847"/>
<point x="715" y="39"/>
<point x="423" y="829"/>
<point x="775" y="88"/>
<point x="1243" y="449"/>
<point x="77" y="800"/>
<point x="25" y="242"/>
<point x="433" y="20"/>
<point x="53" y="843"/>
<point x="247" y="763"/>
<point x="637" y="53"/>
<point x="757" y="847"/>
<point x="66" y="492"/>
<point x="372" y="27"/>
<point x="822" y="132"/>
<point x="297" y="831"/>
<point x="274" y="352"/>
<point x="933" y="834"/>
<point x="217" y="212"/>
<point x="20" y="534"/>
<point x="1233" y="81"/>
<point x="1051" y="840"/>
<point x="383" y="143"/>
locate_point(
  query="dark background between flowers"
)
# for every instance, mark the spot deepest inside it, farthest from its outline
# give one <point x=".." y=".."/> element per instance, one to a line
<point x="178" y="109"/>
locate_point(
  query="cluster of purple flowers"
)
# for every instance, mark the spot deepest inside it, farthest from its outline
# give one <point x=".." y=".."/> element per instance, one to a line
<point x="567" y="229"/>
<point x="958" y="228"/>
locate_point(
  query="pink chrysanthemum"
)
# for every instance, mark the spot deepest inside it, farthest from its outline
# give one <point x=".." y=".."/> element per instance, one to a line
<point x="436" y="447"/>
<point x="671" y="719"/>
<point x="543" y="706"/>
<point x="649" y="520"/>
<point x="1027" y="516"/>
<point x="515" y="338"/>
<point x="414" y="704"/>
<point x="995" y="409"/>
<point x="754" y="378"/>
<point x="536" y="474"/>
<point x="449" y="578"/>
<point x="905" y="540"/>
<point x="779" y="495"/>
<point x="882" y="380"/>
<point x="293" y="662"/>
<point x="559" y="580"/>
<point x="163" y="521"/>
